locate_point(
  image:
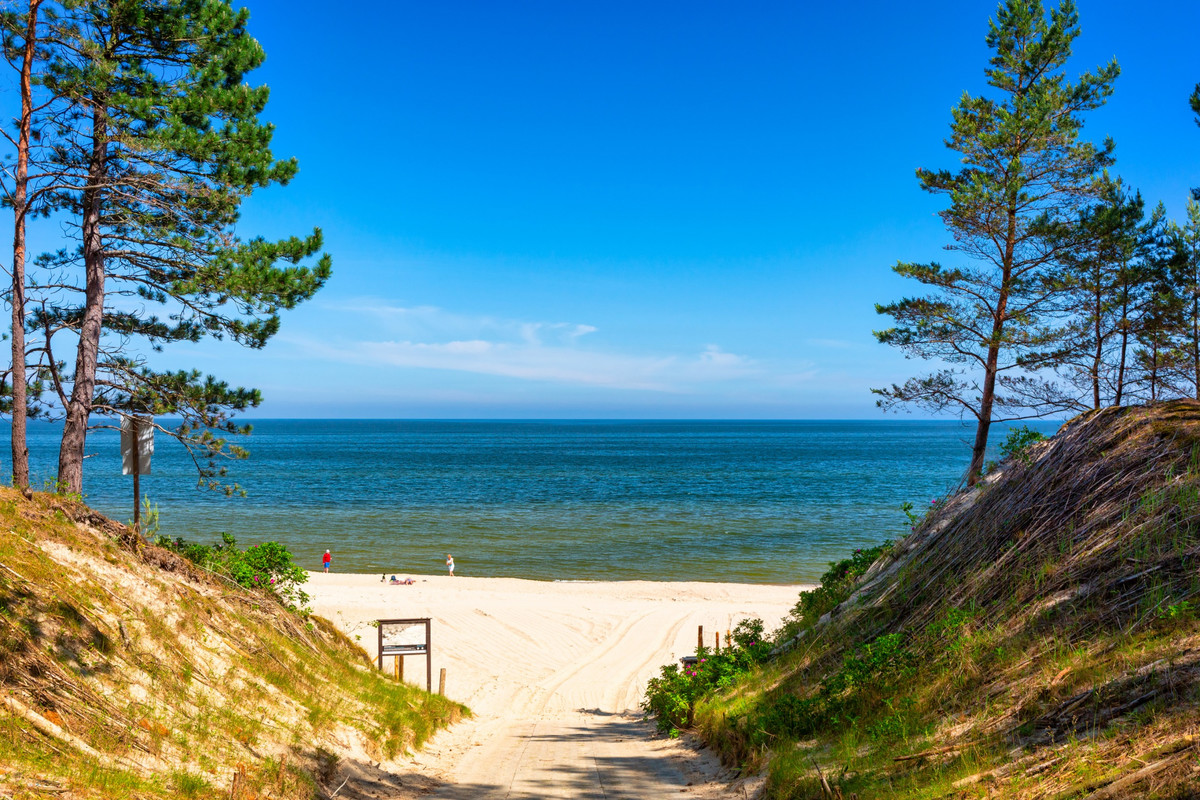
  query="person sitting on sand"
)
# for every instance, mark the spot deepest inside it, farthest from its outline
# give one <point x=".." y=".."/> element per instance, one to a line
<point x="405" y="582"/>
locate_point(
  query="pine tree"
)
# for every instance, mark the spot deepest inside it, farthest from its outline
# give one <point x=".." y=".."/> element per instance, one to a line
<point x="1187" y="288"/>
<point x="1026" y="177"/>
<point x="1195" y="101"/>
<point x="20" y="46"/>
<point x="1157" y="354"/>
<point x="1134" y="299"/>
<point x="1102" y="288"/>
<point x="158" y="138"/>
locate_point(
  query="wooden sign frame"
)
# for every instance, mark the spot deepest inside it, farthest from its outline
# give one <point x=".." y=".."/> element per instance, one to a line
<point x="402" y="650"/>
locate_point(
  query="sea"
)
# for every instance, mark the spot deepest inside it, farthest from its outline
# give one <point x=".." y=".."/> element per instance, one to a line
<point x="738" y="501"/>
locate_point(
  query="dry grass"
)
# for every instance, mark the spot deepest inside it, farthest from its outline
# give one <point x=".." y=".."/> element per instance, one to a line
<point x="127" y="672"/>
<point x="1053" y="619"/>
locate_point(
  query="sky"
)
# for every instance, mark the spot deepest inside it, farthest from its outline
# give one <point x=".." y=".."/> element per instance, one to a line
<point x="637" y="210"/>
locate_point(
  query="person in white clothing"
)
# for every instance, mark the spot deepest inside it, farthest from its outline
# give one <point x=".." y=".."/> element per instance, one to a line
<point x="450" y="564"/>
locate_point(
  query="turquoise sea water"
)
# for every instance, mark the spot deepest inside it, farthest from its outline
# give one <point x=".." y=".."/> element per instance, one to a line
<point x="769" y="502"/>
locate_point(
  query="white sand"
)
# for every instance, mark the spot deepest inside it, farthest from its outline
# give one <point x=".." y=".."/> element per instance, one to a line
<point x="554" y="673"/>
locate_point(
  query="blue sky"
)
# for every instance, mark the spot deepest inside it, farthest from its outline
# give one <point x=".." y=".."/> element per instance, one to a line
<point x="636" y="209"/>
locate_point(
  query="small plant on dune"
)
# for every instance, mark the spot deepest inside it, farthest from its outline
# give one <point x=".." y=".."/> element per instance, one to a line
<point x="915" y="520"/>
<point x="1016" y="445"/>
<point x="149" y="524"/>
<point x="189" y="785"/>
<point x="60" y="488"/>
<point x="1182" y="611"/>
<point x="671" y="698"/>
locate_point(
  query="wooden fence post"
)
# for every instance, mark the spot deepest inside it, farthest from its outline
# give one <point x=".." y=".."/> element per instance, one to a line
<point x="699" y="638"/>
<point x="442" y="683"/>
<point x="428" y="659"/>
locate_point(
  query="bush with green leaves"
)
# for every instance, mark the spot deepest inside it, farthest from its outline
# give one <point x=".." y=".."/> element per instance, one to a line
<point x="671" y="698"/>
<point x="1016" y="445"/>
<point x="836" y="585"/>
<point x="267" y="566"/>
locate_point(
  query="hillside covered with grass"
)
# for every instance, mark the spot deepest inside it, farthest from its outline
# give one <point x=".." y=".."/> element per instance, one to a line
<point x="1037" y="636"/>
<point x="126" y="671"/>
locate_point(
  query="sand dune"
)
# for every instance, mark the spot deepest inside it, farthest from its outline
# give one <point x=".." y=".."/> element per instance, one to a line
<point x="554" y="673"/>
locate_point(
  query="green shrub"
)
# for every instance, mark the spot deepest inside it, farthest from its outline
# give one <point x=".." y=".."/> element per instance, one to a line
<point x="267" y="566"/>
<point x="1016" y="445"/>
<point x="836" y="585"/>
<point x="671" y="698"/>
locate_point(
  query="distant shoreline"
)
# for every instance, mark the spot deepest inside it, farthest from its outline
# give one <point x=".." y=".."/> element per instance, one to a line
<point x="373" y="577"/>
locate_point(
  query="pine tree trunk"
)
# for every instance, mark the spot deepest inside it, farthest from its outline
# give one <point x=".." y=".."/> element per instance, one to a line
<point x="79" y="408"/>
<point x="1196" y="332"/>
<point x="1098" y="355"/>
<point x="1154" y="373"/>
<point x="20" y="400"/>
<point x="985" y="417"/>
<point x="1124" y="349"/>
<point x="988" y="396"/>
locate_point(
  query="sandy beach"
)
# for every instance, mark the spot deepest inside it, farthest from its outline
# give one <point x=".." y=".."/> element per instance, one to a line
<point x="554" y="673"/>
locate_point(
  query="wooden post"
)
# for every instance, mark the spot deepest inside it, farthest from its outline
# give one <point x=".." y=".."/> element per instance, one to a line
<point x="398" y="668"/>
<point x="699" y="638"/>
<point x="379" y="627"/>
<point x="428" y="660"/>
<point x="728" y="637"/>
<point x="716" y="641"/>
<point x="442" y="683"/>
<point x="137" y="477"/>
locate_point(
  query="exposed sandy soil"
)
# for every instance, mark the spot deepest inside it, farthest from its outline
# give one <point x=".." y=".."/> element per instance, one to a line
<point x="554" y="673"/>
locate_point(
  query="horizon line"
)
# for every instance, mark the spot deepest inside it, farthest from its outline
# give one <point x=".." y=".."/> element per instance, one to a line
<point x="596" y="419"/>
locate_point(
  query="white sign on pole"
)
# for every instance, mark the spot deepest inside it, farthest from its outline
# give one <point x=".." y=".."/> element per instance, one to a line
<point x="145" y="444"/>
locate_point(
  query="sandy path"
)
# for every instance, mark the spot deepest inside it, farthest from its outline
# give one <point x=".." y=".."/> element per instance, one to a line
<point x="554" y="673"/>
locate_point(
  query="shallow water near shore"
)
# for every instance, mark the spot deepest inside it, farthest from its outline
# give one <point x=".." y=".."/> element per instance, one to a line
<point x="758" y="502"/>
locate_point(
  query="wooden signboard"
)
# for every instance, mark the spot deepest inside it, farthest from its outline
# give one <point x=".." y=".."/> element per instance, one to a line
<point x="406" y="637"/>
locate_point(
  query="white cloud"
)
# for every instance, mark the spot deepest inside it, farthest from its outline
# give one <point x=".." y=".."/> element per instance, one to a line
<point x="835" y="344"/>
<point x="717" y="357"/>
<point x="425" y="337"/>
<point x="525" y="360"/>
<point x="374" y="308"/>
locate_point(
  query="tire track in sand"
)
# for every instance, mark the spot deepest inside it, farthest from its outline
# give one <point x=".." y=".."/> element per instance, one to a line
<point x="550" y="718"/>
<point x="559" y="748"/>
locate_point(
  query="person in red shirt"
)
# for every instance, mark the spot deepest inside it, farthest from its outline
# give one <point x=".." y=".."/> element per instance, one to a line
<point x="325" y="559"/>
